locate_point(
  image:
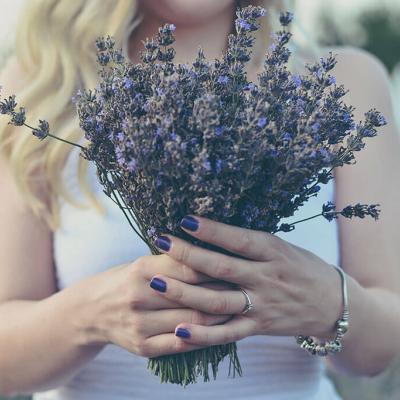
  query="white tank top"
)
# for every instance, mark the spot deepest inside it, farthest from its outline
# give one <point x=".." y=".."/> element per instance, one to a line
<point x="274" y="367"/>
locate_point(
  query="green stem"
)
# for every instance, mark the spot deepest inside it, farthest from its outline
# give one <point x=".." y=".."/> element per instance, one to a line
<point x="58" y="138"/>
<point x="306" y="219"/>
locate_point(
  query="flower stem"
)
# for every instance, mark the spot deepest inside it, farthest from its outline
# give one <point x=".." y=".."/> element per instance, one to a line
<point x="58" y="138"/>
<point x="184" y="368"/>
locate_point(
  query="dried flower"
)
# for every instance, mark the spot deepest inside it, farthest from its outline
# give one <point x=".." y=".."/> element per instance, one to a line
<point x="42" y="131"/>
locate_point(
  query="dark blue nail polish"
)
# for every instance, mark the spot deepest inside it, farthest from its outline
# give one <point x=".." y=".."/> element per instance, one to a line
<point x="158" y="284"/>
<point x="163" y="243"/>
<point x="182" y="332"/>
<point x="190" y="223"/>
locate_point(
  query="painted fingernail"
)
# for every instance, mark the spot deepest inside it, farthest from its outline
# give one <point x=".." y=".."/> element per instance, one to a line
<point x="163" y="243"/>
<point x="182" y="332"/>
<point x="158" y="284"/>
<point x="190" y="223"/>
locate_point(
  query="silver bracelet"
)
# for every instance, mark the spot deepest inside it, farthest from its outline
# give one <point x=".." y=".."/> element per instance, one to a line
<point x="342" y="326"/>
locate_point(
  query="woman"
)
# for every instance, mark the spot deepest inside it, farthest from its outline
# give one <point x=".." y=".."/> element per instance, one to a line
<point x="80" y="310"/>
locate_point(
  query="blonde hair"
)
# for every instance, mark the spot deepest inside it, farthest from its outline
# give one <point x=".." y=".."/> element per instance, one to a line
<point x="55" y="48"/>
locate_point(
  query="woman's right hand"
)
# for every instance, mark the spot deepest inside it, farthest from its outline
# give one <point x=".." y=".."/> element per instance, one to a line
<point x="123" y="309"/>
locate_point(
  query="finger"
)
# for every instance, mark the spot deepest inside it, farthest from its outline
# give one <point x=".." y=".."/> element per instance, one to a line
<point x="211" y="263"/>
<point x="235" y="329"/>
<point x="168" y="266"/>
<point x="252" y="244"/>
<point x="167" y="320"/>
<point x="166" y="344"/>
<point x="198" y="297"/>
<point x="201" y="337"/>
<point x="142" y="297"/>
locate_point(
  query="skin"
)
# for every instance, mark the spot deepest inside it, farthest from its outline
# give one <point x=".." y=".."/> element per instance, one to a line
<point x="118" y="306"/>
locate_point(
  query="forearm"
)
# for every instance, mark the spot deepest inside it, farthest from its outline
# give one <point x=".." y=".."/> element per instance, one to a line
<point x="42" y="342"/>
<point x="372" y="341"/>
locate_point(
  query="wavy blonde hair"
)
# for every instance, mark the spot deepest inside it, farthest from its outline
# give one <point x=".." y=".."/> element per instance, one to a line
<point x="55" y="48"/>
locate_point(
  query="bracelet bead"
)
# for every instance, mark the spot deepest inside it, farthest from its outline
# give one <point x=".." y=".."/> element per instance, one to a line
<point x="342" y="325"/>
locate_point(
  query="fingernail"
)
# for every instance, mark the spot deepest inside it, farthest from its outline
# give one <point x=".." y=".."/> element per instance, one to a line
<point x="163" y="243"/>
<point x="158" y="284"/>
<point x="190" y="223"/>
<point x="182" y="332"/>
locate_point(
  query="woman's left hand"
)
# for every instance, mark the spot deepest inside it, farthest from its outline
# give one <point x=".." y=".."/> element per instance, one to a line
<point x="293" y="291"/>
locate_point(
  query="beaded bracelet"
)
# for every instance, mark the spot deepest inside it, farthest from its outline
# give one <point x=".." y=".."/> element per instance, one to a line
<point x="342" y="326"/>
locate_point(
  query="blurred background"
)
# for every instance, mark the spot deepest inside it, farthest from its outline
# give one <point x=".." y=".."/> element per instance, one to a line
<point x="373" y="25"/>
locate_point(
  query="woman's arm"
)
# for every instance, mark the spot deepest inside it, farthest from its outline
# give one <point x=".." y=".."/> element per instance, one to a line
<point x="370" y="250"/>
<point x="41" y="343"/>
<point x="39" y="328"/>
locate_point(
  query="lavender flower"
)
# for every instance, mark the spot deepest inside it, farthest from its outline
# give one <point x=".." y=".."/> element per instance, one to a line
<point x="42" y="131"/>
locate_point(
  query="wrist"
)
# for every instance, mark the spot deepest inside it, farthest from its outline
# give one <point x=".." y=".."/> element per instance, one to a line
<point x="332" y="307"/>
<point x="86" y="325"/>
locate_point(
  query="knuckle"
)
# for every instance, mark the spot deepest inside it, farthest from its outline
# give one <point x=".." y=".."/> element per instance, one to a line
<point x="267" y="323"/>
<point x="166" y="261"/>
<point x="185" y="254"/>
<point x="137" y="267"/>
<point x="144" y="261"/>
<point x="136" y="301"/>
<point x="133" y="272"/>
<point x="137" y="326"/>
<point x="176" y="292"/>
<point x="198" y="318"/>
<point x="142" y="348"/>
<point x="246" y="241"/>
<point x="210" y="231"/>
<point x="279" y="245"/>
<point x="188" y="274"/>
<point x="223" y="269"/>
<point x="180" y="346"/>
<point x="230" y="336"/>
<point x="219" y="306"/>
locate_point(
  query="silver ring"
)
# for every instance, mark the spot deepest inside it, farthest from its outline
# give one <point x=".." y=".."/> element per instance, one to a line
<point x="249" y="305"/>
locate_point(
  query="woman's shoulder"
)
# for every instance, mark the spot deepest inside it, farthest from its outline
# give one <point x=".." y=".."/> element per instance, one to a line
<point x="358" y="69"/>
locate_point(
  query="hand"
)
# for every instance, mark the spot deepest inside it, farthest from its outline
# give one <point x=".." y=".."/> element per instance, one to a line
<point x="293" y="291"/>
<point x="121" y="308"/>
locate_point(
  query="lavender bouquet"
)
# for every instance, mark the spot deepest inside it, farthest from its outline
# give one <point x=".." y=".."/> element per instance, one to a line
<point x="175" y="139"/>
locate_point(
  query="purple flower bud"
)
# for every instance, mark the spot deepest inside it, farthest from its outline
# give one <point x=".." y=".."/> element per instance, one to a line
<point x="120" y="156"/>
<point x="244" y="24"/>
<point x="218" y="165"/>
<point x="262" y="122"/>
<point x="151" y="231"/>
<point x="262" y="12"/>
<point x="223" y="79"/>
<point x="315" y="126"/>
<point x="128" y="83"/>
<point x="331" y="80"/>
<point x="285" y="18"/>
<point x="287" y="136"/>
<point x="131" y="165"/>
<point x="207" y="165"/>
<point x="249" y="86"/>
<point x="42" y="131"/>
<point x="219" y="130"/>
<point x="346" y="117"/>
<point x="296" y="80"/>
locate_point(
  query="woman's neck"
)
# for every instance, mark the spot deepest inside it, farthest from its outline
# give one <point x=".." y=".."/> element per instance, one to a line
<point x="210" y="35"/>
